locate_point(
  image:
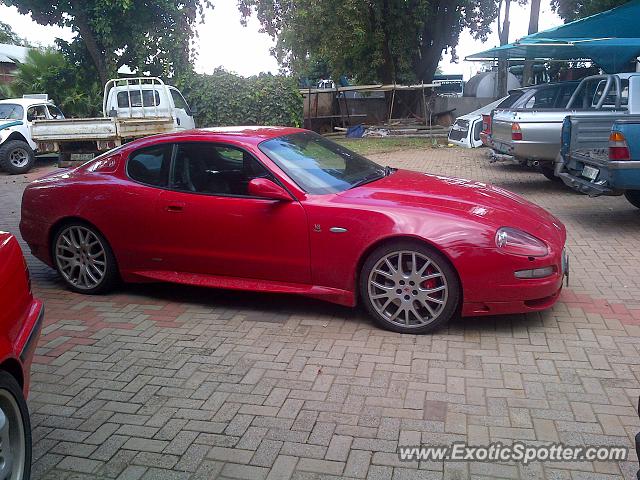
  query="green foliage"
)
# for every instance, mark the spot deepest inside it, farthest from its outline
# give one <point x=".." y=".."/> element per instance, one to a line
<point x="570" y="10"/>
<point x="4" y="92"/>
<point x="224" y="98"/>
<point x="376" y="40"/>
<point x="7" y="35"/>
<point x="146" y="35"/>
<point x="48" y="71"/>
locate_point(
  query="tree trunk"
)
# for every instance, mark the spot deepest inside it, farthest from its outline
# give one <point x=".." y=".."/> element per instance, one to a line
<point x="534" y="16"/>
<point x="503" y="65"/>
<point x="89" y="40"/>
<point x="434" y="40"/>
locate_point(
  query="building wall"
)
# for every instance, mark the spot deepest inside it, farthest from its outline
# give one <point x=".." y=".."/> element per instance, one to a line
<point x="6" y="72"/>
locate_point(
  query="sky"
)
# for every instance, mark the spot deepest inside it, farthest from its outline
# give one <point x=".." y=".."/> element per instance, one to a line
<point x="223" y="41"/>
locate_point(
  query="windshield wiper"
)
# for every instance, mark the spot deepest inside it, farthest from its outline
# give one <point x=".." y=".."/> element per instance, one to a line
<point x="389" y="170"/>
<point x="372" y="177"/>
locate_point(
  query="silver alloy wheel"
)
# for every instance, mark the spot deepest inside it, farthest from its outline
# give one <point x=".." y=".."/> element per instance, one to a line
<point x="81" y="257"/>
<point x="408" y="288"/>
<point x="12" y="438"/>
<point x="19" y="157"/>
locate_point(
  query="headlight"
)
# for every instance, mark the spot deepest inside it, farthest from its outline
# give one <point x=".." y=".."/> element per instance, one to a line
<point x="518" y="242"/>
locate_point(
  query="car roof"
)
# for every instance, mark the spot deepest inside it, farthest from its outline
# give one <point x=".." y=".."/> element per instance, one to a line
<point x="543" y="85"/>
<point x="27" y="102"/>
<point x="243" y="134"/>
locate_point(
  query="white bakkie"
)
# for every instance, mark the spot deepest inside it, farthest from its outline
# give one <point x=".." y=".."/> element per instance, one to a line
<point x="17" y="147"/>
<point x="131" y="108"/>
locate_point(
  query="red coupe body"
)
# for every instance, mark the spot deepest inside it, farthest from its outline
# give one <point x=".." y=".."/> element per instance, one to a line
<point x="313" y="244"/>
<point x="20" y="313"/>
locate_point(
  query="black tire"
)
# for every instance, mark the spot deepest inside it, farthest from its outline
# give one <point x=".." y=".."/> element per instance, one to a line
<point x="8" y="152"/>
<point x="633" y="196"/>
<point x="110" y="276"/>
<point x="549" y="172"/>
<point x="449" y="299"/>
<point x="15" y="412"/>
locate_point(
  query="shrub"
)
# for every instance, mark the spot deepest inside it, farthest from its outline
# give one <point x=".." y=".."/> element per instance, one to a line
<point x="224" y="98"/>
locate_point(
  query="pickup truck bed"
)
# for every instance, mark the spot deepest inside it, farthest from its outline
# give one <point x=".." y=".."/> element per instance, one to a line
<point x="100" y="128"/>
<point x="586" y="165"/>
<point x="540" y="131"/>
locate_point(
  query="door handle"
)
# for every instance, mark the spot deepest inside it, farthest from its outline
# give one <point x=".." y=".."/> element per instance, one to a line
<point x="178" y="120"/>
<point x="175" y="208"/>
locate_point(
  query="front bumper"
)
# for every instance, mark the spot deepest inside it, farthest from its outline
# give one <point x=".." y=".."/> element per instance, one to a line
<point x="521" y="295"/>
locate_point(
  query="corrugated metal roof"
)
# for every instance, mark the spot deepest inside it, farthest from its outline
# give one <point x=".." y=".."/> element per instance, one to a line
<point x="12" y="53"/>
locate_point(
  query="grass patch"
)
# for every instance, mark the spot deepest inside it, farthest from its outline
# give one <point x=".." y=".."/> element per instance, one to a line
<point x="371" y="145"/>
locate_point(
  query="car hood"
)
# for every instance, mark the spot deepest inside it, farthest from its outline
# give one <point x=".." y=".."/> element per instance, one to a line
<point x="476" y="201"/>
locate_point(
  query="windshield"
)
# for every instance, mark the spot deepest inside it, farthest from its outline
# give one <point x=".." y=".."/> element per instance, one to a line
<point x="11" y="111"/>
<point x="319" y="165"/>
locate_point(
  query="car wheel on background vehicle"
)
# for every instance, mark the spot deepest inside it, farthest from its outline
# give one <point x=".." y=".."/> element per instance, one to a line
<point x="15" y="430"/>
<point x="84" y="259"/>
<point x="409" y="288"/>
<point x="633" y="196"/>
<point x="16" y="156"/>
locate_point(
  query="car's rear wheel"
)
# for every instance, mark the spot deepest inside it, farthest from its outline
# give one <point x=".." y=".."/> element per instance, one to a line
<point x="633" y="196"/>
<point x="16" y="157"/>
<point x="84" y="259"/>
<point x="15" y="431"/>
<point x="409" y="288"/>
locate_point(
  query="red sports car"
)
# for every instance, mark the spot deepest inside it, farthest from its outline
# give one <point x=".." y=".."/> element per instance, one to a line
<point x="286" y="210"/>
<point x="20" y="324"/>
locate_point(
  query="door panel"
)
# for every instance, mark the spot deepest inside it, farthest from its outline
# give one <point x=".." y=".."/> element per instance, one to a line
<point x="234" y="236"/>
<point x="211" y="225"/>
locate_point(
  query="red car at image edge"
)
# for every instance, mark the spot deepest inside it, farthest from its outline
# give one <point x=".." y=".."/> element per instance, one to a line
<point x="20" y="323"/>
<point x="277" y="209"/>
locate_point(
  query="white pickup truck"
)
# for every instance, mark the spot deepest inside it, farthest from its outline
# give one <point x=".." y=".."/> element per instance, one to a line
<point x="131" y="108"/>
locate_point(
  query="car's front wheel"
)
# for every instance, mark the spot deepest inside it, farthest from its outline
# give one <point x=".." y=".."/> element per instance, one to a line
<point x="16" y="157"/>
<point x="15" y="431"/>
<point x="84" y="259"/>
<point x="409" y="288"/>
<point x="633" y="196"/>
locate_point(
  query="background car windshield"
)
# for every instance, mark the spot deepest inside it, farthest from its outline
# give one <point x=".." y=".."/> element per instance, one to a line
<point x="11" y="111"/>
<point x="318" y="165"/>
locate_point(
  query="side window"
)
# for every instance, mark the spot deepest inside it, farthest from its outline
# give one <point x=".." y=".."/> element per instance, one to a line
<point x="151" y="165"/>
<point x="148" y="98"/>
<point x="542" y="99"/>
<point x="55" y="112"/>
<point x="214" y="169"/>
<point x="179" y="101"/>
<point x="37" y="112"/>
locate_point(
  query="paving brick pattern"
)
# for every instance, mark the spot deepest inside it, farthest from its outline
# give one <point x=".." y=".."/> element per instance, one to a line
<point x="168" y="382"/>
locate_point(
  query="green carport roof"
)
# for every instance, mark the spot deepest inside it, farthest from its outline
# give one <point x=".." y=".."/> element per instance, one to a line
<point x="611" y="39"/>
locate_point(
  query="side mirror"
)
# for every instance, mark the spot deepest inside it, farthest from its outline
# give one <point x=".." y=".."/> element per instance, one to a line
<point x="264" y="188"/>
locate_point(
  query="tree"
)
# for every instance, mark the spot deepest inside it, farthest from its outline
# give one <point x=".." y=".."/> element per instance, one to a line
<point x="7" y="35"/>
<point x="570" y="10"/>
<point x="48" y="71"/>
<point x="503" y="36"/>
<point x="381" y="40"/>
<point x="146" y="35"/>
<point x="534" y="17"/>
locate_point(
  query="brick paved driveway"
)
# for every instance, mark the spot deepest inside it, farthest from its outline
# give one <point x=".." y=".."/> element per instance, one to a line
<point x="172" y="382"/>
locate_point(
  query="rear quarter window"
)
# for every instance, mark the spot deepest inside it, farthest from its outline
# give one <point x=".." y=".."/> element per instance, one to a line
<point x="150" y="165"/>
